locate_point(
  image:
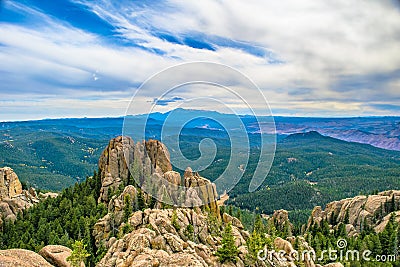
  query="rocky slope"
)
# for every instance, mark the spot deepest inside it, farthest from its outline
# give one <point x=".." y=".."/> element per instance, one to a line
<point x="13" y="199"/>
<point x="185" y="231"/>
<point x="372" y="210"/>
<point x="151" y="167"/>
<point x="168" y="237"/>
<point x="162" y="235"/>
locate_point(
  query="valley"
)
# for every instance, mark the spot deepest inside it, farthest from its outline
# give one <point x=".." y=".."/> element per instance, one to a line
<point x="109" y="220"/>
<point x="310" y="168"/>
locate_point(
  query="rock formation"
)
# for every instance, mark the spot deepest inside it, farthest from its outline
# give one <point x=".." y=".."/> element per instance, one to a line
<point x="358" y="211"/>
<point x="158" y="235"/>
<point x="171" y="237"/>
<point x="10" y="185"/>
<point x="56" y="255"/>
<point x="110" y="223"/>
<point x="205" y="190"/>
<point x="12" y="198"/>
<point x="150" y="168"/>
<point x="185" y="230"/>
<point x="159" y="156"/>
<point x="145" y="158"/>
<point x="181" y="228"/>
<point x="149" y="158"/>
<point x="113" y="166"/>
<point x="22" y="258"/>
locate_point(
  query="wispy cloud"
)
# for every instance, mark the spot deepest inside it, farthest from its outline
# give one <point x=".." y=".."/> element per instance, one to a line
<point x="165" y="102"/>
<point x="308" y="58"/>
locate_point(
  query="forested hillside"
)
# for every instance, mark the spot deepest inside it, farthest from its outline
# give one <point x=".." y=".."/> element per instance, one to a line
<point x="309" y="169"/>
<point x="58" y="221"/>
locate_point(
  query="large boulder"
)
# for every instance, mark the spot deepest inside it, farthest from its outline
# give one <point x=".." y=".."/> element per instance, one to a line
<point x="56" y="255"/>
<point x="22" y="258"/>
<point x="284" y="245"/>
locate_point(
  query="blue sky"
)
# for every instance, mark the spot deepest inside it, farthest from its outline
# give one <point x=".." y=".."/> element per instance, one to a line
<point x="75" y="58"/>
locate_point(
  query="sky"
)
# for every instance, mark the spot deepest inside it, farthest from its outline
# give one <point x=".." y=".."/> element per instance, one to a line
<point x="78" y="58"/>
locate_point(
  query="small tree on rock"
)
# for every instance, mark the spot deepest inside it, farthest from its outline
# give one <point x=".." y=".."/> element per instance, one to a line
<point x="228" y="251"/>
<point x="127" y="207"/>
<point x="78" y="254"/>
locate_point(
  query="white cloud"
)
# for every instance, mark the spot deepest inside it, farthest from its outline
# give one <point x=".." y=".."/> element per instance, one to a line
<point x="320" y="43"/>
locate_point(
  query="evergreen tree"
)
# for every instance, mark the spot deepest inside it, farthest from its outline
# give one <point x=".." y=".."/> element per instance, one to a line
<point x="228" y="251"/>
<point x="255" y="243"/>
<point x="230" y="210"/>
<point x="258" y="224"/>
<point x="174" y="221"/>
<point x="140" y="200"/>
<point x="341" y="231"/>
<point x="347" y="217"/>
<point x="239" y="214"/>
<point x="388" y="237"/>
<point x="127" y="208"/>
<point x="78" y="254"/>
<point x="392" y="204"/>
<point x="287" y="230"/>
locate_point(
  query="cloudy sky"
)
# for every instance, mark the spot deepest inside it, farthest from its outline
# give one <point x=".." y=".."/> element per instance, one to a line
<point x="76" y="58"/>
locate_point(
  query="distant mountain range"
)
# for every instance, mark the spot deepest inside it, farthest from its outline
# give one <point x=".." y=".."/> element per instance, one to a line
<point x="53" y="154"/>
<point x="382" y="132"/>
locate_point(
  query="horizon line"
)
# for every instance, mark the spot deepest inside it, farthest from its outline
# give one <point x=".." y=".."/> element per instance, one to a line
<point x="141" y="114"/>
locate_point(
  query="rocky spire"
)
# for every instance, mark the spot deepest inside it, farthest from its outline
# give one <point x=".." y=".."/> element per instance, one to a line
<point x="150" y="168"/>
<point x="13" y="198"/>
<point x="147" y="158"/>
<point x="10" y="185"/>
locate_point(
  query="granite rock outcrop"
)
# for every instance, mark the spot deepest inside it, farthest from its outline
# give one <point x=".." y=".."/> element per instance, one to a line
<point x="13" y="199"/>
<point x="372" y="210"/>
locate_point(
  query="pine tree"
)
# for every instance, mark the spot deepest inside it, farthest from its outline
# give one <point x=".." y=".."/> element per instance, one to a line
<point x="140" y="200"/>
<point x="78" y="254"/>
<point x="228" y="251"/>
<point x="258" y="224"/>
<point x="127" y="207"/>
<point x="341" y="231"/>
<point x="333" y="218"/>
<point x="287" y="230"/>
<point x="347" y="217"/>
<point x="230" y="210"/>
<point x="392" y="205"/>
<point x="255" y="243"/>
<point x="374" y="244"/>
<point x="239" y="215"/>
<point x="388" y="237"/>
<point x="174" y="221"/>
